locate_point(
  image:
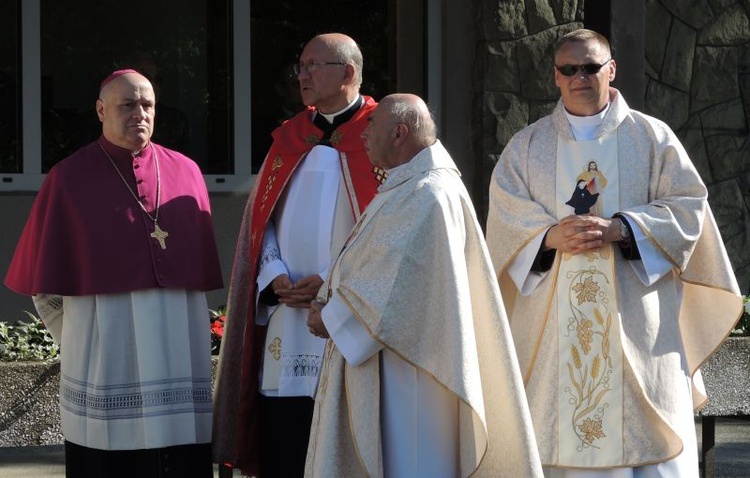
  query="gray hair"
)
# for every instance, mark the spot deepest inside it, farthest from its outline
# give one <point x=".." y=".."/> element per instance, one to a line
<point x="421" y="126"/>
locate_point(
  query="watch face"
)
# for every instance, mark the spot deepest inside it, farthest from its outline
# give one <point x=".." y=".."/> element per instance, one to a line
<point x="624" y="230"/>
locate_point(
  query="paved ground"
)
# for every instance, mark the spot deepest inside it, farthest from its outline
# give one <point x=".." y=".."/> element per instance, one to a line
<point x="38" y="462"/>
<point x="732" y="455"/>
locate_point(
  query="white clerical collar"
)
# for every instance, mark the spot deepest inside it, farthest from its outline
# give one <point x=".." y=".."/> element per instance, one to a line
<point x="584" y="127"/>
<point x="330" y="117"/>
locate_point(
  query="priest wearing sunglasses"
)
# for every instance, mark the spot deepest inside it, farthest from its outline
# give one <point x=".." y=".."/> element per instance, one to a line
<point x="612" y="309"/>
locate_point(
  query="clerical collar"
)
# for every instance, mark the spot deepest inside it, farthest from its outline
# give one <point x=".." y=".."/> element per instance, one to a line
<point x="328" y="123"/>
<point x="330" y="117"/>
<point x="584" y="127"/>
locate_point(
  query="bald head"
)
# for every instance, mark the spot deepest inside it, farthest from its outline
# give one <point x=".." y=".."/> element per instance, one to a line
<point x="126" y="107"/>
<point x="412" y="111"/>
<point x="345" y="50"/>
<point x="400" y="127"/>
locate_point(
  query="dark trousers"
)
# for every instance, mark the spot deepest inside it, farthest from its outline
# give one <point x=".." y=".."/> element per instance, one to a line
<point x="284" y="434"/>
<point x="183" y="461"/>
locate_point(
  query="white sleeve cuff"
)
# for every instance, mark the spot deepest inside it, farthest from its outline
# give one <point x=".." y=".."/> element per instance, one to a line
<point x="653" y="265"/>
<point x="269" y="272"/>
<point x="520" y="268"/>
<point x="351" y="337"/>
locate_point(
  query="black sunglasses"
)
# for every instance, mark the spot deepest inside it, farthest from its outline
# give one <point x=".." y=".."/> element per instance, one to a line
<point x="588" y="68"/>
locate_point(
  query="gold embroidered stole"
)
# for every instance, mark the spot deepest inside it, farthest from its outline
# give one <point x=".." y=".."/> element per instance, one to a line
<point x="590" y="367"/>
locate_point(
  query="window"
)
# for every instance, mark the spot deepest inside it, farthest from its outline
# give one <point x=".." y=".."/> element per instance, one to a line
<point x="279" y="32"/>
<point x="221" y="70"/>
<point x="186" y="48"/>
<point x="182" y="47"/>
<point x="10" y="146"/>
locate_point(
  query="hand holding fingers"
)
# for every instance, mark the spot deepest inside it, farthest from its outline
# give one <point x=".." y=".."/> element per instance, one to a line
<point x="309" y="284"/>
<point x="282" y="285"/>
<point x="577" y="234"/>
<point x="315" y="323"/>
<point x="303" y="291"/>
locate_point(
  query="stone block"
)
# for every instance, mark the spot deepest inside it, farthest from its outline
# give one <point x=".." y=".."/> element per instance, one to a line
<point x="724" y="118"/>
<point x="733" y="220"/>
<point x="540" y="15"/>
<point x="691" y="137"/>
<point x="502" y="67"/>
<point x="731" y="27"/>
<point x="658" y="21"/>
<point x="695" y="13"/>
<point x="505" y="20"/>
<point x="668" y="104"/>
<point x="508" y="114"/>
<point x="715" y="77"/>
<point x="678" y="60"/>
<point x="728" y="155"/>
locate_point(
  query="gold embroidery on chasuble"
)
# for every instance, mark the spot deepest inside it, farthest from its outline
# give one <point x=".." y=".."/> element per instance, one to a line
<point x="380" y="174"/>
<point x="590" y="364"/>
<point x="275" y="166"/>
<point x="336" y="137"/>
<point x="312" y="138"/>
<point x="275" y="348"/>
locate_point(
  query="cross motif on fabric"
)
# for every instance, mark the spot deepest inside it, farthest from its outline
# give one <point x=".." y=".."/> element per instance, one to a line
<point x="275" y="348"/>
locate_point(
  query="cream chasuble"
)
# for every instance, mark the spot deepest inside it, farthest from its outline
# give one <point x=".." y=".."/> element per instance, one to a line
<point x="590" y="366"/>
<point x="664" y="323"/>
<point x="417" y="277"/>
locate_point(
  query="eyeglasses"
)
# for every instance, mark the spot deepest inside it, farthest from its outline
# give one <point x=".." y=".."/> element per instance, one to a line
<point x="588" y="68"/>
<point x="313" y="65"/>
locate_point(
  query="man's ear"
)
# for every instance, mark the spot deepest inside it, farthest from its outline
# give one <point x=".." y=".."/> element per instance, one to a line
<point x="100" y="109"/>
<point x="348" y="74"/>
<point x="401" y="132"/>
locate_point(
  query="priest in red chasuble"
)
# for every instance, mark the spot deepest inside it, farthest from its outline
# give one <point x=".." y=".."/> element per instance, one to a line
<point x="117" y="253"/>
<point x="314" y="184"/>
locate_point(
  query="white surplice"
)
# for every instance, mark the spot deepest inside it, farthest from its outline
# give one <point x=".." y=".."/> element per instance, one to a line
<point x="313" y="217"/>
<point x="136" y="370"/>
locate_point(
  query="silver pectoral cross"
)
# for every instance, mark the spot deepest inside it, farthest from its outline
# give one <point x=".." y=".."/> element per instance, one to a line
<point x="160" y="235"/>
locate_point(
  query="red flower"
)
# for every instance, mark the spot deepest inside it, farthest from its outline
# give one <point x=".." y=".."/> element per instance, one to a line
<point x="217" y="326"/>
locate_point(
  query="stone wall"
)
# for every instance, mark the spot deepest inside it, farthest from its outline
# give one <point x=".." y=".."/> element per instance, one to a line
<point x="697" y="80"/>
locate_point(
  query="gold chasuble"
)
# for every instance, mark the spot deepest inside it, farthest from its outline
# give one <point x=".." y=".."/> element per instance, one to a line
<point x="590" y="366"/>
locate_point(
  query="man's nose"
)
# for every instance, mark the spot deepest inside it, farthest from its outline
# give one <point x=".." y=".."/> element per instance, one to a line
<point x="140" y="112"/>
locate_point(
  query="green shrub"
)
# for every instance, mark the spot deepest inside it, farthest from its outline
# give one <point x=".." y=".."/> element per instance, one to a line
<point x="743" y="326"/>
<point x="27" y="340"/>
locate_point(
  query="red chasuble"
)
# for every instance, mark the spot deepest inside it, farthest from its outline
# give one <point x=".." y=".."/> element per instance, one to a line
<point x="86" y="233"/>
<point x="292" y="141"/>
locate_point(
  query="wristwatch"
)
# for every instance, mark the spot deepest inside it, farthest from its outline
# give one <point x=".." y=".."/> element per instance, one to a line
<point x="624" y="231"/>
